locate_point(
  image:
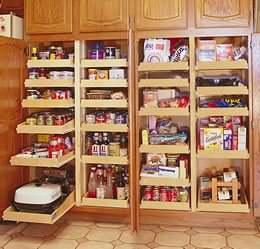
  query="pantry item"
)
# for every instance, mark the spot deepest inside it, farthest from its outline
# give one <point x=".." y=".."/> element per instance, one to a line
<point x="99" y="94"/>
<point x="110" y="52"/>
<point x="224" y="52"/>
<point x="116" y="74"/>
<point x="96" y="52"/>
<point x="44" y="55"/>
<point x="118" y="95"/>
<point x="59" y="53"/>
<point x="207" y="50"/>
<point x="181" y="54"/>
<point x="118" y="53"/>
<point x="114" y="148"/>
<point x="156" y="50"/>
<point x="239" y="53"/>
<point x="34" y="54"/>
<point x="32" y="94"/>
<point x="150" y="98"/>
<point x="52" y="50"/>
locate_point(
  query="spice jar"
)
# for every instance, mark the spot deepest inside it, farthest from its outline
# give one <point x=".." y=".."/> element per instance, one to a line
<point x="96" y="52"/>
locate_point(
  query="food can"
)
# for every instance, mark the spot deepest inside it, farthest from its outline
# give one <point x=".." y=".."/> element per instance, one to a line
<point x="148" y="194"/>
<point x="91" y="118"/>
<point x="118" y="54"/>
<point x="31" y="121"/>
<point x="110" y="118"/>
<point x="40" y="120"/>
<point x="173" y="195"/>
<point x="120" y="119"/>
<point x="58" y="120"/>
<point x="100" y="118"/>
<point x="49" y="120"/>
<point x="163" y="194"/>
<point x="110" y="52"/>
<point x="156" y="194"/>
<point x="114" y="149"/>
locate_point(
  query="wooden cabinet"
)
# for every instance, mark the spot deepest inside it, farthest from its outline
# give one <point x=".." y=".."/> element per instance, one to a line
<point x="222" y="13"/>
<point x="11" y="94"/>
<point x="48" y="16"/>
<point x="15" y="6"/>
<point x="100" y="15"/>
<point x="160" y="14"/>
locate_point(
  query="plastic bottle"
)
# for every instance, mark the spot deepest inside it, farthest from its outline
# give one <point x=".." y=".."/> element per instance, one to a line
<point x="109" y="194"/>
<point x="92" y="183"/>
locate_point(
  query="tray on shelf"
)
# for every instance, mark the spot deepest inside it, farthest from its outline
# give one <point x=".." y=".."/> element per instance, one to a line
<point x="10" y="214"/>
<point x="104" y="63"/>
<point x="221" y="90"/>
<point x="221" y="65"/>
<point x="164" y="111"/>
<point x="52" y="103"/>
<point x="165" y="205"/>
<point x="48" y="83"/>
<point x="228" y="154"/>
<point x="163" y="66"/>
<point x="121" y="160"/>
<point x="104" y="103"/>
<point x="163" y="82"/>
<point x="239" y="111"/>
<point x="104" y="202"/>
<point x="163" y="181"/>
<point x="104" y="127"/>
<point x="172" y="149"/>
<point x="104" y="83"/>
<point x="43" y="162"/>
<point x="46" y="129"/>
<point x="50" y="63"/>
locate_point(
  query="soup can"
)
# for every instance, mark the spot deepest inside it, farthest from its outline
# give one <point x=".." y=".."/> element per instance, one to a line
<point x="110" y="52"/>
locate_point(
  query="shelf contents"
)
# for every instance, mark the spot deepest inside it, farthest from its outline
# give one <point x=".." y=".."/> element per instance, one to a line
<point x="165" y="50"/>
<point x="106" y="144"/>
<point x="222" y="133"/>
<point x="52" y="53"/>
<point x="165" y="194"/>
<point x="160" y="165"/>
<point x="48" y="146"/>
<point x="48" y="94"/>
<point x="209" y="50"/>
<point x="218" y="81"/>
<point x="109" y="117"/>
<point x="165" y="98"/>
<point x="105" y="74"/>
<point x="99" y="52"/>
<point x="108" y="182"/>
<point x="50" y="118"/>
<point x="105" y="94"/>
<point x="164" y="132"/>
<point x="225" y="102"/>
<point x="42" y="73"/>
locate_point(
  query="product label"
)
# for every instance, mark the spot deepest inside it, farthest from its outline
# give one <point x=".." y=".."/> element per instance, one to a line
<point x="101" y="193"/>
<point x="123" y="152"/>
<point x="223" y="195"/>
<point x="104" y="150"/>
<point x="95" y="150"/>
<point x="121" y="193"/>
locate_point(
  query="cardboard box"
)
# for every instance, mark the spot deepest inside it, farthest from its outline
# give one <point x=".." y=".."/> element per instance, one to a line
<point x="242" y="138"/>
<point x="116" y="74"/>
<point x="207" y="50"/>
<point x="213" y="138"/>
<point x="227" y="142"/>
<point x="224" y="52"/>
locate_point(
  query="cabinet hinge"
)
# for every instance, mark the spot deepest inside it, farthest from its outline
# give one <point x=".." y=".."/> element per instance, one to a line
<point x="26" y="51"/>
<point x="252" y="44"/>
<point x="254" y="125"/>
<point x="254" y="204"/>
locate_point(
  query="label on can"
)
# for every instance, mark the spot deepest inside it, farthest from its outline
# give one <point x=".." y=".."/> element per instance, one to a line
<point x="110" y="52"/>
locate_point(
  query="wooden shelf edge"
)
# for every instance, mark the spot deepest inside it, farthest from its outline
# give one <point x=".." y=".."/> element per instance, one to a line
<point x="104" y="127"/>
<point x="48" y="83"/>
<point x="46" y="129"/>
<point x="104" y="83"/>
<point x="164" y="111"/>
<point x="50" y="63"/>
<point x="105" y="160"/>
<point x="163" y="66"/>
<point x="160" y="181"/>
<point x="104" y="63"/>
<point x="52" y="103"/>
<point x="104" y="103"/>
<point x="204" y="112"/>
<point x="182" y="82"/>
<point x="229" y="154"/>
<point x="165" y="205"/>
<point x="221" y="65"/>
<point x="223" y="90"/>
<point x="43" y="162"/>
<point x="175" y="149"/>
<point x="223" y="207"/>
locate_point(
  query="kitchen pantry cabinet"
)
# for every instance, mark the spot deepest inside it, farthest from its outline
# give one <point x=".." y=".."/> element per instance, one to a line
<point x="48" y="16"/>
<point x="158" y="14"/>
<point x="15" y="6"/>
<point x="12" y="77"/>
<point x="222" y="13"/>
<point x="99" y="15"/>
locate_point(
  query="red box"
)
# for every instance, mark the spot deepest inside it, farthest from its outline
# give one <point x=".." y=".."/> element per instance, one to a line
<point x="235" y="143"/>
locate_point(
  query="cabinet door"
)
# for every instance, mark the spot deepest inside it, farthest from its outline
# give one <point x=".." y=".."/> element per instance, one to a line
<point x="15" y="6"/>
<point x="100" y="15"/>
<point x="48" y="16"/>
<point x="12" y="74"/>
<point x="159" y="14"/>
<point x="256" y="120"/>
<point x="222" y="13"/>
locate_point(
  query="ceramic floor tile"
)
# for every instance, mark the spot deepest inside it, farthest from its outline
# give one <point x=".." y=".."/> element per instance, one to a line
<point x="213" y="241"/>
<point x="95" y="245"/>
<point x="71" y="232"/>
<point x="81" y="223"/>
<point x="189" y="247"/>
<point x="131" y="246"/>
<point x="207" y="230"/>
<point x="225" y="234"/>
<point x="10" y="228"/>
<point x="107" y="224"/>
<point x="59" y="243"/>
<point x="241" y="241"/>
<point x="168" y="238"/>
<point x="16" y="235"/>
<point x="152" y="245"/>
<point x="24" y="243"/>
<point x="147" y="226"/>
<point x="39" y="230"/>
<point x="116" y="242"/>
<point x="4" y="239"/>
<point x="242" y="231"/>
<point x="104" y="234"/>
<point x="143" y="237"/>
<point x="169" y="247"/>
<point x="175" y="228"/>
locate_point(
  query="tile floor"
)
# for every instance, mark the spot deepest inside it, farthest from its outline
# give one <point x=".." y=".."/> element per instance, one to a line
<point x="71" y="234"/>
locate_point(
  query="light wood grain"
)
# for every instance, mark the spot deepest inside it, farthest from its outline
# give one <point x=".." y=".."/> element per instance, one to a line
<point x="104" y="63"/>
<point x="163" y="83"/>
<point x="163" y="66"/>
<point x="174" y="149"/>
<point x="165" y="205"/>
<point x="50" y="63"/>
<point x="104" y="83"/>
<point x="229" y="154"/>
<point x="105" y="160"/>
<point x="163" y="181"/>
<point x="48" y="83"/>
<point x="221" y="65"/>
<point x="164" y="111"/>
<point x="104" y="103"/>
<point x="45" y="103"/>
<point x="222" y="90"/>
<point x="104" y="127"/>
<point x="205" y="112"/>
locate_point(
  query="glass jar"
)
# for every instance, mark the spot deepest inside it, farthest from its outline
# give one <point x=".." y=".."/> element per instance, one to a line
<point x="59" y="53"/>
<point x="33" y="74"/>
<point x="96" y="52"/>
<point x="32" y="94"/>
<point x="114" y="149"/>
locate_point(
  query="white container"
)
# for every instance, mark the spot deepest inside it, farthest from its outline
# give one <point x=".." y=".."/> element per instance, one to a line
<point x="11" y="26"/>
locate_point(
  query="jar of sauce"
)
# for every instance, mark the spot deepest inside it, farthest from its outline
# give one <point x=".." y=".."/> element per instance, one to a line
<point x="96" y="52"/>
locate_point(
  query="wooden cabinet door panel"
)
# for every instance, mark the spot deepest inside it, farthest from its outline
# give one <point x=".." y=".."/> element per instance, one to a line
<point x="222" y="13"/>
<point x="48" y="16"/>
<point x="12" y="74"/>
<point x="100" y="15"/>
<point x="157" y="14"/>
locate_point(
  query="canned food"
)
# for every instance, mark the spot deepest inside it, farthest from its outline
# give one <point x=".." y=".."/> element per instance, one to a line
<point x="163" y="194"/>
<point x="100" y="118"/>
<point x="110" y="118"/>
<point x="40" y="120"/>
<point x="148" y="194"/>
<point x="174" y="197"/>
<point x="118" y="53"/>
<point x="49" y="120"/>
<point x="110" y="52"/>
<point x="120" y="119"/>
<point x="31" y="121"/>
<point x="114" y="149"/>
<point x="58" y="120"/>
<point x="156" y="194"/>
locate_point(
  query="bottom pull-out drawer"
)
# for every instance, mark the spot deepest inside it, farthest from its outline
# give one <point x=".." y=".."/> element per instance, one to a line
<point x="12" y="215"/>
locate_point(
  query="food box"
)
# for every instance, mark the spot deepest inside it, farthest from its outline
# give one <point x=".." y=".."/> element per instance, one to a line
<point x="207" y="50"/>
<point x="213" y="138"/>
<point x="116" y="74"/>
<point x="224" y="52"/>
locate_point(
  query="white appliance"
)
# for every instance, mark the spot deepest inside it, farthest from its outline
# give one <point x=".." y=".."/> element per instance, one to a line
<point x="11" y="26"/>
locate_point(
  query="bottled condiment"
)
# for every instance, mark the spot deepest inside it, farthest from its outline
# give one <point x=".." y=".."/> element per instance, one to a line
<point x="123" y="146"/>
<point x="59" y="53"/>
<point x="104" y="148"/>
<point x="92" y="183"/>
<point x="226" y="195"/>
<point x="34" y="55"/>
<point x="96" y="146"/>
<point x="120" y="186"/>
<point x="101" y="188"/>
<point x="42" y="74"/>
<point x="109" y="194"/>
<point x="115" y="179"/>
<point x="114" y="149"/>
<point x="54" y="149"/>
<point x="52" y="52"/>
<point x="88" y="145"/>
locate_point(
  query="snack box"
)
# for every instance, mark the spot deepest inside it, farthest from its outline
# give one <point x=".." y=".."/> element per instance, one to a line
<point x="150" y="98"/>
<point x="172" y="172"/>
<point x="213" y="139"/>
<point x="224" y="52"/>
<point x="227" y="142"/>
<point x="242" y="138"/>
<point x="97" y="74"/>
<point x="172" y="139"/>
<point x="207" y="50"/>
<point x="149" y="171"/>
<point x="116" y="74"/>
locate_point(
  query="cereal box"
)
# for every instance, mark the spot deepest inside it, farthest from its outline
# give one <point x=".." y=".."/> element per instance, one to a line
<point x="207" y="50"/>
<point x="224" y="52"/>
<point x="213" y="138"/>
